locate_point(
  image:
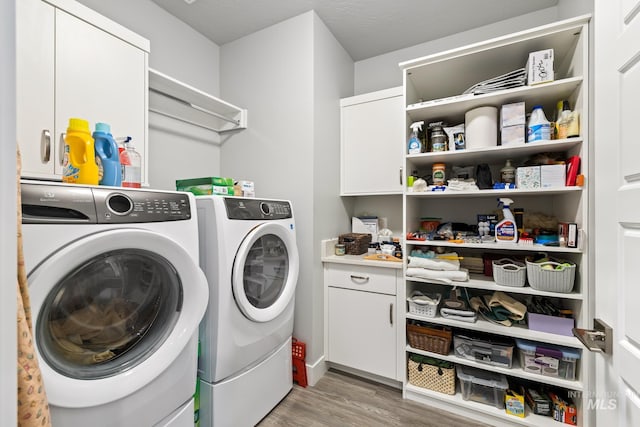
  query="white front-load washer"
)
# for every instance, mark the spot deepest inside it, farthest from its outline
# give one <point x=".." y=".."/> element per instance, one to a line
<point x="117" y="296"/>
<point x="249" y="254"/>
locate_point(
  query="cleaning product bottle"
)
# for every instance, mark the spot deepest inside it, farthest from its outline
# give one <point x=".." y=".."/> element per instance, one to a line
<point x="563" y="121"/>
<point x="107" y="156"/>
<point x="79" y="162"/>
<point x="415" y="145"/>
<point x="538" y="128"/>
<point x="506" y="230"/>
<point x="131" y="162"/>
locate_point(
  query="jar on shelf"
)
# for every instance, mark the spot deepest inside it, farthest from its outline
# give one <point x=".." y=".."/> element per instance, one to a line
<point x="508" y="173"/>
<point x="438" y="174"/>
<point x="438" y="139"/>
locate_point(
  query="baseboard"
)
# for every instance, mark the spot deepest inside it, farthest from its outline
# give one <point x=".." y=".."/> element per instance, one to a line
<point x="365" y="375"/>
<point x="316" y="371"/>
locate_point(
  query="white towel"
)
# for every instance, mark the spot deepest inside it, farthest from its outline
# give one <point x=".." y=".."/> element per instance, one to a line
<point x="436" y="263"/>
<point x="457" y="276"/>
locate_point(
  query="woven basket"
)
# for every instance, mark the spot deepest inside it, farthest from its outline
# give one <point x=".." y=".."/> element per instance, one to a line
<point x="558" y="279"/>
<point x="433" y="339"/>
<point x="507" y="272"/>
<point x="355" y="243"/>
<point x="432" y="377"/>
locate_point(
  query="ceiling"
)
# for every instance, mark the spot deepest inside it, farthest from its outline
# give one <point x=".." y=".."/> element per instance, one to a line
<point x="365" y="28"/>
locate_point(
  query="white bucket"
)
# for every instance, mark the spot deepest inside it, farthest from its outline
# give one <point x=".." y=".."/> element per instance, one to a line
<point x="481" y="127"/>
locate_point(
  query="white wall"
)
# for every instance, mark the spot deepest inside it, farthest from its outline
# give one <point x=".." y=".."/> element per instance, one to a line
<point x="176" y="150"/>
<point x="333" y="79"/>
<point x="8" y="385"/>
<point x="290" y="77"/>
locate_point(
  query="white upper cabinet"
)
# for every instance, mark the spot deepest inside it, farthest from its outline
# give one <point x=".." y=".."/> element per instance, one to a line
<point x="72" y="62"/>
<point x="372" y="129"/>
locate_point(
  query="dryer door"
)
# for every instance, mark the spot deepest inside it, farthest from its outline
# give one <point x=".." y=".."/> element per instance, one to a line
<point x="113" y="310"/>
<point x="265" y="272"/>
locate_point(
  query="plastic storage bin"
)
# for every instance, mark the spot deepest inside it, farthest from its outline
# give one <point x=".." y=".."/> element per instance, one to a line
<point x="424" y="304"/>
<point x="484" y="349"/>
<point x="548" y="359"/>
<point x="482" y="386"/>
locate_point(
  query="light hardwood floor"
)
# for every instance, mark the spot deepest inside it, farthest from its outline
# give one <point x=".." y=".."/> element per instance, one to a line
<point x="340" y="399"/>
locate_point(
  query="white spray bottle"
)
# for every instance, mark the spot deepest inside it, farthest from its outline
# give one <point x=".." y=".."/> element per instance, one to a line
<point x="506" y="230"/>
<point x="414" y="145"/>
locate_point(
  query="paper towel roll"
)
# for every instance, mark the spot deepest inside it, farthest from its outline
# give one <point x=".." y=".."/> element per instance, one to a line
<point x="481" y="127"/>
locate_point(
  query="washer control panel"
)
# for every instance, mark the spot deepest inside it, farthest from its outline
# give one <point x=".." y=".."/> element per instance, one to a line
<point x="125" y="206"/>
<point x="48" y="203"/>
<point x="256" y="209"/>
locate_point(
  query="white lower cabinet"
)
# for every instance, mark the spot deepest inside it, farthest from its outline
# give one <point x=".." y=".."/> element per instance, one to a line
<point x="362" y="318"/>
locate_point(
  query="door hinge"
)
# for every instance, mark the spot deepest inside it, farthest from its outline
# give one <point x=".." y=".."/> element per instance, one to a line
<point x="599" y="339"/>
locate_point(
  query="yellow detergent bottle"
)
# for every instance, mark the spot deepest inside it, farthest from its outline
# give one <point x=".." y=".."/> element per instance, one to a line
<point x="79" y="163"/>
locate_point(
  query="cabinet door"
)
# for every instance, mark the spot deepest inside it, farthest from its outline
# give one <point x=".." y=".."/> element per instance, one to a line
<point x="372" y="131"/>
<point x="35" y="87"/>
<point x="100" y="78"/>
<point x="362" y="333"/>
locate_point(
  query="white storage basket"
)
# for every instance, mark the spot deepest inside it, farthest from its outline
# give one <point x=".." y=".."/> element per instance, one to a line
<point x="507" y="272"/>
<point x="423" y="305"/>
<point x="557" y="278"/>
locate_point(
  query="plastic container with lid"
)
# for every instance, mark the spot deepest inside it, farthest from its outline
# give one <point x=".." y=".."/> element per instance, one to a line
<point x="79" y="162"/>
<point x="107" y="156"/>
<point x="548" y="359"/>
<point x="482" y="386"/>
<point x="538" y="127"/>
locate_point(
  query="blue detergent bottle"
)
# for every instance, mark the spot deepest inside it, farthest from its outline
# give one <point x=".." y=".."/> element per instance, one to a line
<point x="107" y="156"/>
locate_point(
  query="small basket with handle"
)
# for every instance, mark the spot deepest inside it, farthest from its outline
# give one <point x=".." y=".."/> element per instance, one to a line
<point x="432" y="374"/>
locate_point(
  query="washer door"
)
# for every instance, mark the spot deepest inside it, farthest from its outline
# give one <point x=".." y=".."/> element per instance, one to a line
<point x="114" y="310"/>
<point x="265" y="272"/>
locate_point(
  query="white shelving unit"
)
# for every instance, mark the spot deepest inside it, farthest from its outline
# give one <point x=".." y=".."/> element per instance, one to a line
<point x="433" y="85"/>
<point x="180" y="101"/>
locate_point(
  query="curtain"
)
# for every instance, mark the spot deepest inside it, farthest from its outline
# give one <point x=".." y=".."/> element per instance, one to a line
<point x="33" y="407"/>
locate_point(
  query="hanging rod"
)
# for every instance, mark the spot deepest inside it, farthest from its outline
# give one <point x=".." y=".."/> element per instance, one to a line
<point x="191" y="122"/>
<point x="196" y="107"/>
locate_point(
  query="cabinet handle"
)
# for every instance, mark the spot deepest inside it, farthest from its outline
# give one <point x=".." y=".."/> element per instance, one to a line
<point x="400" y="176"/>
<point x="391" y="314"/>
<point x="45" y="146"/>
<point x="362" y="279"/>
<point x="61" y="149"/>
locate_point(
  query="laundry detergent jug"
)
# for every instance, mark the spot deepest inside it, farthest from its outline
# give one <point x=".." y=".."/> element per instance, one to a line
<point x="79" y="162"/>
<point x="107" y="156"/>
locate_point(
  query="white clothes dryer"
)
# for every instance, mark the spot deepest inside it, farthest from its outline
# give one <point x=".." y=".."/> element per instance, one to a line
<point x="249" y="254"/>
<point x="117" y="296"/>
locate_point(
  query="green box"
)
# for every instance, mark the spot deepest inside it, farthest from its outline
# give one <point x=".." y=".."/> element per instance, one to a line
<point x="207" y="185"/>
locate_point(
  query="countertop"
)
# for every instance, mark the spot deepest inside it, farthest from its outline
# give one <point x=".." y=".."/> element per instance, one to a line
<point x="328" y="255"/>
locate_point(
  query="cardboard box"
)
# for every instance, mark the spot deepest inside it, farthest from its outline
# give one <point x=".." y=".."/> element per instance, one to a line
<point x="515" y="134"/>
<point x="528" y="177"/>
<point x="540" y="67"/>
<point x="512" y="114"/>
<point x="538" y="402"/>
<point x="206" y="186"/>
<point x="514" y="401"/>
<point x="553" y="176"/>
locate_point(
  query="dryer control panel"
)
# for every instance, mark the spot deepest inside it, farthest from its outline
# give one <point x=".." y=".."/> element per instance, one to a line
<point x="256" y="209"/>
<point x="47" y="203"/>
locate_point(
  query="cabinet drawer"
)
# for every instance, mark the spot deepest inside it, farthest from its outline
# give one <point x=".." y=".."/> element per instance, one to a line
<point x="370" y="279"/>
